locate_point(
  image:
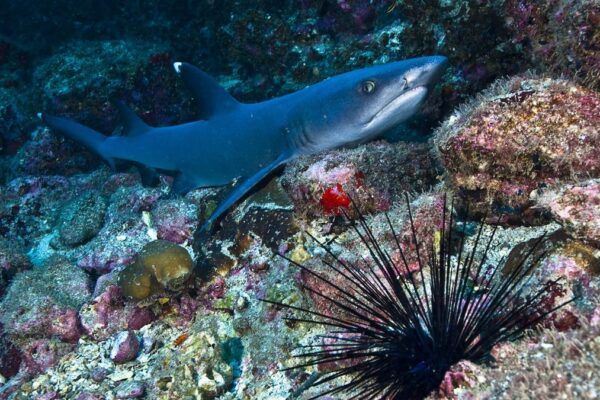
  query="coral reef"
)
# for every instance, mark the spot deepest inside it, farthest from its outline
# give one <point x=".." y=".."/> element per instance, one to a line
<point x="10" y="358"/>
<point x="26" y="209"/>
<point x="168" y="368"/>
<point x="427" y="221"/>
<point x="520" y="136"/>
<point x="230" y="302"/>
<point x="556" y="362"/>
<point x="81" y="219"/>
<point x="308" y="42"/>
<point x="108" y="314"/>
<point x="79" y="79"/>
<point x="374" y="175"/>
<point x="12" y="261"/>
<point x="44" y="302"/>
<point x="48" y="154"/>
<point x="561" y="37"/>
<point x="31" y="209"/>
<point x="323" y="38"/>
<point x="577" y="208"/>
<point x="13" y="124"/>
<point x="130" y="390"/>
<point x="175" y="220"/>
<point x="39" y="315"/>
<point x="124" y="231"/>
<point x="125" y="347"/>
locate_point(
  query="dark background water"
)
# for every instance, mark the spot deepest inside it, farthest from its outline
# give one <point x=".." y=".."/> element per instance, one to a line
<point x="266" y="40"/>
<point x="71" y="57"/>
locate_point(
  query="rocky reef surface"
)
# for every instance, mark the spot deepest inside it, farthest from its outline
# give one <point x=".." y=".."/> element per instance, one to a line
<point x="108" y="292"/>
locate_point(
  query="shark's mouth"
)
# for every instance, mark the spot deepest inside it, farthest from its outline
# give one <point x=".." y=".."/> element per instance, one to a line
<point x="407" y="104"/>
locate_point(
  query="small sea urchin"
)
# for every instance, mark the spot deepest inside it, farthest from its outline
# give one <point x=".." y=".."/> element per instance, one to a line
<point x="396" y="335"/>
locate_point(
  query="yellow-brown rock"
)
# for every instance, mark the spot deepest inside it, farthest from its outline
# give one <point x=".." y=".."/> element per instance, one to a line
<point x="159" y="265"/>
<point x="170" y="264"/>
<point x="136" y="283"/>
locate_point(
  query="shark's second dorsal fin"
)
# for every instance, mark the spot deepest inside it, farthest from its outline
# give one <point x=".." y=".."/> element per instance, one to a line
<point x="132" y="124"/>
<point x="212" y="98"/>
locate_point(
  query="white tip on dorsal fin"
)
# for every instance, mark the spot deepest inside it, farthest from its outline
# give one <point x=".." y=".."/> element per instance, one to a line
<point x="177" y="66"/>
<point x="211" y="97"/>
<point x="39" y="115"/>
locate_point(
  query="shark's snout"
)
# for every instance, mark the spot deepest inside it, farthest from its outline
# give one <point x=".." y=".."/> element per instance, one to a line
<point x="405" y="93"/>
<point x="428" y="72"/>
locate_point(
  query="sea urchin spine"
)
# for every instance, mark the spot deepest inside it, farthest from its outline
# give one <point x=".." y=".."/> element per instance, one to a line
<point x="396" y="335"/>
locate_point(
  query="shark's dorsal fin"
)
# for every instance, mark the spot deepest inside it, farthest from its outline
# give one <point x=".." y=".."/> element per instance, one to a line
<point x="132" y="124"/>
<point x="212" y="98"/>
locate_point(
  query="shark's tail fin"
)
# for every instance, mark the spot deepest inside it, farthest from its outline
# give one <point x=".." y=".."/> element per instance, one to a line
<point x="80" y="133"/>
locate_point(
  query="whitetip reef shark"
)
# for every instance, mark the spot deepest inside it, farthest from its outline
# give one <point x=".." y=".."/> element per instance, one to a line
<point x="238" y="140"/>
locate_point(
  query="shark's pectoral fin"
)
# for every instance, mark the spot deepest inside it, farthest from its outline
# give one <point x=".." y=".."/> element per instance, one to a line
<point x="212" y="98"/>
<point x="241" y="189"/>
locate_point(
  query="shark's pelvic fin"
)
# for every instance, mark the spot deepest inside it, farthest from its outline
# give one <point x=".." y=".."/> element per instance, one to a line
<point x="241" y="189"/>
<point x="184" y="183"/>
<point x="148" y="175"/>
<point x="212" y="98"/>
<point x="80" y="133"/>
<point x="132" y="124"/>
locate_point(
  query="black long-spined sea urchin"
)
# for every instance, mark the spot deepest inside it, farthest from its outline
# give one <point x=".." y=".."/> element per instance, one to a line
<point x="395" y="337"/>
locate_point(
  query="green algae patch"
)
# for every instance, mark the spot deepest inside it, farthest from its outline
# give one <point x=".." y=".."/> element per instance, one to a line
<point x="276" y="293"/>
<point x="227" y="302"/>
<point x="211" y="206"/>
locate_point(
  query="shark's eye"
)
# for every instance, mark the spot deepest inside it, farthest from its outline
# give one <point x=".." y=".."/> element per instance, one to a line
<point x="368" y="87"/>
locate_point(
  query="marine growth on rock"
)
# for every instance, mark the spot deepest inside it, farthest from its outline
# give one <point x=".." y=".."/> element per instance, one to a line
<point x="519" y="136"/>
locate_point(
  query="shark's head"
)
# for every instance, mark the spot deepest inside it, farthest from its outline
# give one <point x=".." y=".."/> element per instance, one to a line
<point x="360" y="105"/>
